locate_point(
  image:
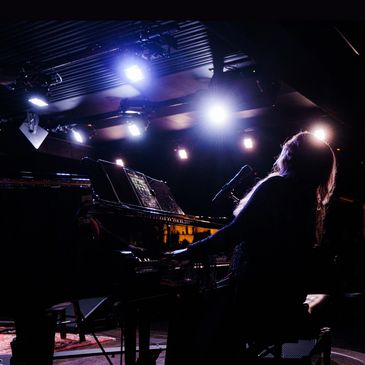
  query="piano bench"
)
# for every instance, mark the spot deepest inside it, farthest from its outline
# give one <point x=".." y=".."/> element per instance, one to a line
<point x="303" y="350"/>
<point x="60" y="310"/>
<point x="301" y="340"/>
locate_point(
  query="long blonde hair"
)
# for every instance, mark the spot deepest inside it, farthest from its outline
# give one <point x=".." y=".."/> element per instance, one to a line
<point x="312" y="163"/>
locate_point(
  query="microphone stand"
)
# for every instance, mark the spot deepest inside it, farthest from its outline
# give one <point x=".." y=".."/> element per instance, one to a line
<point x="244" y="172"/>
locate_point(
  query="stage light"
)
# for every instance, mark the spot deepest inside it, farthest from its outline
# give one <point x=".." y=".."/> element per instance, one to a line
<point x="119" y="162"/>
<point x="182" y="153"/>
<point x="78" y="136"/>
<point x="133" y="69"/>
<point x="320" y="133"/>
<point x="218" y="115"/>
<point x="38" y="101"/>
<point x="32" y="130"/>
<point x="248" y="143"/>
<point x="80" y="133"/>
<point x="38" y="97"/>
<point x="216" y="109"/>
<point x="135" y="121"/>
<point x="134" y="73"/>
<point x="134" y="129"/>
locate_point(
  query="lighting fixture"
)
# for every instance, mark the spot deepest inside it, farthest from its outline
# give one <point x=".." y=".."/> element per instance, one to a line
<point x="217" y="110"/>
<point x="320" y="134"/>
<point x="248" y="143"/>
<point x="218" y="115"/>
<point x="38" y="101"/>
<point x="134" y="129"/>
<point x="38" y="96"/>
<point x="134" y="73"/>
<point x="78" y="136"/>
<point x="321" y="131"/>
<point x="80" y="133"/>
<point x="133" y="68"/>
<point x="32" y="130"/>
<point x="119" y="162"/>
<point x="182" y="153"/>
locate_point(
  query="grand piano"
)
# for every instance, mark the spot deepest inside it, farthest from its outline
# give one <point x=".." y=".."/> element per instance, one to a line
<point x="68" y="236"/>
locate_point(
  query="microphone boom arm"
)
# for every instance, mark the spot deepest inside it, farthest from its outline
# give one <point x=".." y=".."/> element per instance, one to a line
<point x="244" y="172"/>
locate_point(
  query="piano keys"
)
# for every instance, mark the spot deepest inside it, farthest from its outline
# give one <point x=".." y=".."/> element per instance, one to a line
<point x="131" y="211"/>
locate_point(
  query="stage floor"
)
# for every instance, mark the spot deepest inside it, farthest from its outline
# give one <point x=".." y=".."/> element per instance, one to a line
<point x="347" y="328"/>
<point x="339" y="355"/>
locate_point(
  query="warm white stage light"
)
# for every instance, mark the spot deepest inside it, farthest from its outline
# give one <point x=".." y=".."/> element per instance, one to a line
<point x="320" y="133"/>
<point x="248" y="143"/>
<point x="183" y="154"/>
<point x="119" y="162"/>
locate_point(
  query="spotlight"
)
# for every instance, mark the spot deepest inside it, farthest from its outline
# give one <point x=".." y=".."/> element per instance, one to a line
<point x="134" y="129"/>
<point x="38" y="97"/>
<point x="217" y="110"/>
<point x="134" y="73"/>
<point x="37" y="101"/>
<point x="321" y="131"/>
<point x="182" y="153"/>
<point x="133" y="68"/>
<point x="320" y="134"/>
<point x="248" y="143"/>
<point x="218" y="115"/>
<point x="81" y="133"/>
<point x="78" y="136"/>
<point x="119" y="162"/>
<point x="136" y="124"/>
<point x="32" y="130"/>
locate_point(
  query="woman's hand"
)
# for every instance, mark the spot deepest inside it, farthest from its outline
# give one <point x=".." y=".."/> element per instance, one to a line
<point x="178" y="255"/>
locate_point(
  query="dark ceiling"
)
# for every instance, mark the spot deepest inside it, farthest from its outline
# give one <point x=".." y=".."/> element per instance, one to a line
<point x="78" y="62"/>
<point x="283" y="76"/>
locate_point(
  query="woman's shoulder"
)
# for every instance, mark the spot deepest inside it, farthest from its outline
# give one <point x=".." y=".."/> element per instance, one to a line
<point x="274" y="185"/>
<point x="270" y="189"/>
<point x="273" y="181"/>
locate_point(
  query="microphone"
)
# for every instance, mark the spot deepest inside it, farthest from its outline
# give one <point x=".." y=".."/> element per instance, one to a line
<point x="245" y="171"/>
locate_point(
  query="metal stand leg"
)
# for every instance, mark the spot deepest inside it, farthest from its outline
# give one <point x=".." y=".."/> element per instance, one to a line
<point x="130" y="329"/>
<point x="326" y="338"/>
<point x="62" y="319"/>
<point x="144" y="338"/>
<point x="79" y="320"/>
<point x="278" y="353"/>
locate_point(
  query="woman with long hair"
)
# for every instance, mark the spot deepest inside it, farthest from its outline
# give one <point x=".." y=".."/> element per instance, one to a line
<point x="276" y="226"/>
